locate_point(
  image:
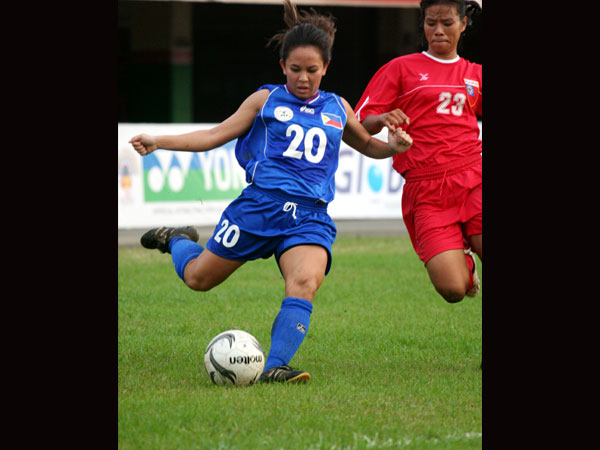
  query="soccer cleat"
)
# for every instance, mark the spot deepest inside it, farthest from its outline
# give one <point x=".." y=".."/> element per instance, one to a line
<point x="159" y="237"/>
<point x="474" y="291"/>
<point x="284" y="374"/>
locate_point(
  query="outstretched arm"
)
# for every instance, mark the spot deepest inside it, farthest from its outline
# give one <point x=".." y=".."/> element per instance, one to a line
<point x="202" y="140"/>
<point x="393" y="119"/>
<point x="357" y="137"/>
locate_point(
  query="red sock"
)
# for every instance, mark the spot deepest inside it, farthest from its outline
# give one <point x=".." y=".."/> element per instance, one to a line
<point x="470" y="265"/>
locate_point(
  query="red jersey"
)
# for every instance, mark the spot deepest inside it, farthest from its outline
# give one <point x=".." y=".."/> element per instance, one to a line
<point x="442" y="98"/>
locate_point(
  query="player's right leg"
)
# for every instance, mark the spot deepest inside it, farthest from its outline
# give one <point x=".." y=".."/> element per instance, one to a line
<point x="208" y="270"/>
<point x="199" y="268"/>
<point x="160" y="238"/>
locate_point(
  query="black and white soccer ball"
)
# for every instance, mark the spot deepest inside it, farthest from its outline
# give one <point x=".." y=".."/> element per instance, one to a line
<point x="234" y="357"/>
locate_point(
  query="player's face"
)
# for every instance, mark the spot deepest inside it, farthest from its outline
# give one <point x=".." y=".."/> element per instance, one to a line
<point x="304" y="69"/>
<point x="443" y="28"/>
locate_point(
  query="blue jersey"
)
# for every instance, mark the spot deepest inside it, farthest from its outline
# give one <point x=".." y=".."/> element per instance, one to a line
<point x="293" y="145"/>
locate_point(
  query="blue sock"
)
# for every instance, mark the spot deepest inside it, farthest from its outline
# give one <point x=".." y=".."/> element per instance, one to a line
<point x="289" y="329"/>
<point x="182" y="252"/>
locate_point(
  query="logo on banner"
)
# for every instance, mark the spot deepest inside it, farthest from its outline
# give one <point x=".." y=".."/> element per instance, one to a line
<point x="332" y="120"/>
<point x="472" y="91"/>
<point x="184" y="176"/>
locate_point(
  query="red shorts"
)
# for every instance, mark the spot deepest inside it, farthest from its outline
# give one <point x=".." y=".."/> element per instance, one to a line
<point x="442" y="206"/>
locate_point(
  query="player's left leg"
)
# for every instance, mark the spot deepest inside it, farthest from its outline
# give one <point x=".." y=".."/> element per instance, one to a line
<point x="450" y="274"/>
<point x="473" y="230"/>
<point x="476" y="243"/>
<point x="444" y="245"/>
<point x="453" y="272"/>
<point x="303" y="268"/>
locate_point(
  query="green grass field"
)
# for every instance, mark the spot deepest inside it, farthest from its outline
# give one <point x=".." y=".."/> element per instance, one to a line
<point x="392" y="364"/>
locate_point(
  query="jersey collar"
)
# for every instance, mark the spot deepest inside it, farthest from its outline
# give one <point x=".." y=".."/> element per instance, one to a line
<point x="310" y="100"/>
<point x="443" y="61"/>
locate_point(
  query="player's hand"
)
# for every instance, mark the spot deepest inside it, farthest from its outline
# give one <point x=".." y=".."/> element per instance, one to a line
<point x="399" y="140"/>
<point x="144" y="144"/>
<point x="394" y="119"/>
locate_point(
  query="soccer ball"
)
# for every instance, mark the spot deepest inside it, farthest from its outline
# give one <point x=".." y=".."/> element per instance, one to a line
<point x="234" y="357"/>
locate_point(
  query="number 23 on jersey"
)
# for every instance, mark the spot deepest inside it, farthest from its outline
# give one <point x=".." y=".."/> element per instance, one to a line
<point x="451" y="104"/>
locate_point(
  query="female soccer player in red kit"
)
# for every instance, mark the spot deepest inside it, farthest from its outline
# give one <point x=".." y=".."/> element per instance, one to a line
<point x="436" y="96"/>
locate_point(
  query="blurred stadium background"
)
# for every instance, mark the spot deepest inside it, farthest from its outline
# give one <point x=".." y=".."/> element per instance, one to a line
<point x="191" y="63"/>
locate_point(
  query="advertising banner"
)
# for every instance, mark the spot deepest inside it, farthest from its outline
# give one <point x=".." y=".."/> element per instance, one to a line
<point x="174" y="187"/>
<point x="193" y="188"/>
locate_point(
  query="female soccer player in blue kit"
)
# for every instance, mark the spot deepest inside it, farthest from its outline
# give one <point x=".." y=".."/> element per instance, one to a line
<point x="289" y="138"/>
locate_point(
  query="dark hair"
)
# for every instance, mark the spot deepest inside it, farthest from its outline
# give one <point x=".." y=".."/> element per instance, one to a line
<point x="464" y="8"/>
<point x="304" y="28"/>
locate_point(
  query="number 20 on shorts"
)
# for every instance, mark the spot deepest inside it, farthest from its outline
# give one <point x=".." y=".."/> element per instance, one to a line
<point x="228" y="234"/>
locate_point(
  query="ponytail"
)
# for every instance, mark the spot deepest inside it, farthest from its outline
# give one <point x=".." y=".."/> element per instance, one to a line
<point x="304" y="28"/>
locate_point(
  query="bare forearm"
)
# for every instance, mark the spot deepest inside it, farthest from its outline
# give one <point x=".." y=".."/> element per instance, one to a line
<point x="372" y="124"/>
<point x="202" y="140"/>
<point x="196" y="141"/>
<point x="357" y="136"/>
<point x="377" y="149"/>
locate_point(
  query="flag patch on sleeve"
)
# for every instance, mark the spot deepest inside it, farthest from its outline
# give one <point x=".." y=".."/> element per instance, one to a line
<point x="472" y="90"/>
<point x="332" y="120"/>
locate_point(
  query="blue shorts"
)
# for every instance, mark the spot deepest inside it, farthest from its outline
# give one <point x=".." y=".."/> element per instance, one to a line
<point x="260" y="223"/>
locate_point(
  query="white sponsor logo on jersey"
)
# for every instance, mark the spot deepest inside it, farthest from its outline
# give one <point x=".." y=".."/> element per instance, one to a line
<point x="283" y="113"/>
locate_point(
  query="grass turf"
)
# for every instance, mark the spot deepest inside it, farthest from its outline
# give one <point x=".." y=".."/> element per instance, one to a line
<point x="392" y="364"/>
